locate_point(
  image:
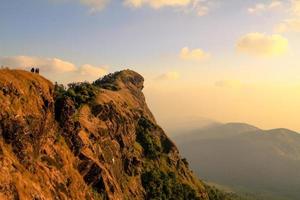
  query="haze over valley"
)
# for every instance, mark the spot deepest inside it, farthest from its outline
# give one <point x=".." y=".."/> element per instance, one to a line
<point x="245" y="158"/>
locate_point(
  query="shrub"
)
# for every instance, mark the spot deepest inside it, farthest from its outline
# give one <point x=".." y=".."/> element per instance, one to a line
<point x="148" y="141"/>
<point x="216" y="194"/>
<point x="165" y="186"/>
<point x="150" y="147"/>
<point x="108" y="82"/>
<point x="80" y="93"/>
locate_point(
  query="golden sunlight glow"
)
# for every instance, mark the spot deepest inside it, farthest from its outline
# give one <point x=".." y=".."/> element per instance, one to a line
<point x="193" y="54"/>
<point x="260" y="44"/>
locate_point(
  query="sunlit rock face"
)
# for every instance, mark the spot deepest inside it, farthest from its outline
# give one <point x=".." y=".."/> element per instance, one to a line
<point x="90" y="141"/>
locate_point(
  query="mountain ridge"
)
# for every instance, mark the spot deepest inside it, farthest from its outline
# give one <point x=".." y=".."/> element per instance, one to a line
<point x="237" y="128"/>
<point x="91" y="141"/>
<point x="258" y="161"/>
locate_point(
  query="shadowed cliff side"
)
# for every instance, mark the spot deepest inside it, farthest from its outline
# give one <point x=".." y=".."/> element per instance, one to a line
<point x="90" y="141"/>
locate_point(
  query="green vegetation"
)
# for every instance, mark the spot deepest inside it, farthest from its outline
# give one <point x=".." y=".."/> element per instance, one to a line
<point x="80" y="93"/>
<point x="165" y="186"/>
<point x="216" y="194"/>
<point x="159" y="179"/>
<point x="150" y="144"/>
<point x="108" y="82"/>
<point x="151" y="148"/>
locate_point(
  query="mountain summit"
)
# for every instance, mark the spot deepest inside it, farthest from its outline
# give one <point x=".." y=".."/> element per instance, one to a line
<point x="90" y="141"/>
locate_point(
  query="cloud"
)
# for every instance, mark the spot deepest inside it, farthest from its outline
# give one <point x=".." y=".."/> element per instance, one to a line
<point x="259" y="44"/>
<point x="90" y="70"/>
<point x="156" y="4"/>
<point x="263" y="7"/>
<point x="193" y="54"/>
<point x="200" y="7"/>
<point x="288" y="25"/>
<point x="229" y="84"/>
<point x="134" y="3"/>
<point x="54" y="66"/>
<point x="202" y="10"/>
<point x="95" y="5"/>
<point x="173" y="75"/>
<point x="45" y="64"/>
<point x="295" y="8"/>
<point x="293" y="23"/>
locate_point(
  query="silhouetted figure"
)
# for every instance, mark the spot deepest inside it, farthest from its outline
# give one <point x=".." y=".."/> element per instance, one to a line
<point x="37" y="70"/>
<point x="32" y="70"/>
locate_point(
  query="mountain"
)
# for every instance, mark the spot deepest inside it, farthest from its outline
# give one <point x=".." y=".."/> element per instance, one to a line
<point x="90" y="141"/>
<point x="218" y="130"/>
<point x="246" y="158"/>
<point x="177" y="124"/>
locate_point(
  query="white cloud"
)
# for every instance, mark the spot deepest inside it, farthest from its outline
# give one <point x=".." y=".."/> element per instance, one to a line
<point x="134" y="3"/>
<point x="95" y="5"/>
<point x="156" y="4"/>
<point x="173" y="75"/>
<point x="293" y="23"/>
<point x="257" y="8"/>
<point x="54" y="66"/>
<point x="288" y="25"/>
<point x="263" y="7"/>
<point x="202" y="10"/>
<point x="90" y="70"/>
<point x="45" y="64"/>
<point x="259" y="44"/>
<point x="193" y="54"/>
<point x="200" y="7"/>
<point x="295" y="8"/>
<point x="275" y="4"/>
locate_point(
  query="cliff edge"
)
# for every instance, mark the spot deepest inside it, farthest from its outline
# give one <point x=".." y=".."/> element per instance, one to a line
<point x="90" y="141"/>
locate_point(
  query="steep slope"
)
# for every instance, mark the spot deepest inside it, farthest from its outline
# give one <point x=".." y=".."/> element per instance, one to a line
<point x="265" y="162"/>
<point x="91" y="141"/>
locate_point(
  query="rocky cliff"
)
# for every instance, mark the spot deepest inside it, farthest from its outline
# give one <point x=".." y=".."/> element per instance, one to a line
<point x="90" y="141"/>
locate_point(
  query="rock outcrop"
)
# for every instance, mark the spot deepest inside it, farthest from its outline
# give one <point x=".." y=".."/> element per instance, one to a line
<point x="91" y="141"/>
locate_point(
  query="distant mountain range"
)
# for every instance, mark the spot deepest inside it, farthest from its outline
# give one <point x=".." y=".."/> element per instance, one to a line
<point x="246" y="158"/>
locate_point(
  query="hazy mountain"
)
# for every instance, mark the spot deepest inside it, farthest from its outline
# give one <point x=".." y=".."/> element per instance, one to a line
<point x="265" y="162"/>
<point x="176" y="125"/>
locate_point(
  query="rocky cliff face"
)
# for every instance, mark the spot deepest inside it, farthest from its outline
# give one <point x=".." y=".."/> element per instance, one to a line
<point x="92" y="141"/>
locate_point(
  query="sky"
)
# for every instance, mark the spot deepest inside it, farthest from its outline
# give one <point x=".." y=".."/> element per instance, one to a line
<point x="227" y="61"/>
